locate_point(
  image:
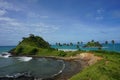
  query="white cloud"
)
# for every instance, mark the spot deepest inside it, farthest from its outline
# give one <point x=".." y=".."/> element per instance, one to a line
<point x="2" y="12"/>
<point x="99" y="18"/>
<point x="8" y="6"/>
<point x="99" y="14"/>
<point x="12" y="25"/>
<point x="35" y="15"/>
<point x="100" y="11"/>
<point x="6" y="19"/>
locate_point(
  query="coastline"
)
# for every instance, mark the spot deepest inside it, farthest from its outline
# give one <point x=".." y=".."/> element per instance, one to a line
<point x="76" y="64"/>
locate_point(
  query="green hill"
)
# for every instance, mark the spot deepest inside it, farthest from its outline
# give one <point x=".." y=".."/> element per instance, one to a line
<point x="31" y="45"/>
<point x="93" y="44"/>
<point x="35" y="45"/>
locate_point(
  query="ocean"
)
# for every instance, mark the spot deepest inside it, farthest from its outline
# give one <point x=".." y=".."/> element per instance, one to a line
<point x="41" y="67"/>
<point x="108" y="47"/>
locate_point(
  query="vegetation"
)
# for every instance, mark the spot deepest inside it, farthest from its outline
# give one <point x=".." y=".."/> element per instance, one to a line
<point x="35" y="45"/>
<point x="93" y="44"/>
<point x="106" y="42"/>
<point x="113" y="42"/>
<point x="106" y="69"/>
<point x="31" y="45"/>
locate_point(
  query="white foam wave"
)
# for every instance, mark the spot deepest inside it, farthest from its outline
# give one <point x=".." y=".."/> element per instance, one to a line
<point x="61" y="69"/>
<point x="5" y="55"/>
<point x="68" y="50"/>
<point x="24" y="58"/>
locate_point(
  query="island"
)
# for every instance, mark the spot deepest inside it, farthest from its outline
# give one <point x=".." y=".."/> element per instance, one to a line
<point x="92" y="43"/>
<point x="98" y="64"/>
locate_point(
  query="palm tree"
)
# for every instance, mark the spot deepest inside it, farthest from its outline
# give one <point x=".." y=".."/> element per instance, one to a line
<point x="71" y="44"/>
<point x="92" y="40"/>
<point x="78" y="42"/>
<point x="113" y="42"/>
<point x="106" y="42"/>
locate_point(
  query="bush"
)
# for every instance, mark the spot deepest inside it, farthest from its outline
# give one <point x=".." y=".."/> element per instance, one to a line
<point x="19" y="50"/>
<point x="62" y="54"/>
<point x="34" y="51"/>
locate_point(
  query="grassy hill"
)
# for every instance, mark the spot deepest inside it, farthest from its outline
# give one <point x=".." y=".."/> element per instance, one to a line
<point x="106" y="69"/>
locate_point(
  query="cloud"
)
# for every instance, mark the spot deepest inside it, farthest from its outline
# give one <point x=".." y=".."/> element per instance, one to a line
<point x="8" y="6"/>
<point x="12" y="25"/>
<point x="35" y="15"/>
<point x="100" y="11"/>
<point x="99" y="18"/>
<point x="2" y="12"/>
<point x="99" y="14"/>
<point x="6" y="19"/>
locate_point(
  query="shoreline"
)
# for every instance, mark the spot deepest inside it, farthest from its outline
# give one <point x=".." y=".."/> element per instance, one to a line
<point x="77" y="63"/>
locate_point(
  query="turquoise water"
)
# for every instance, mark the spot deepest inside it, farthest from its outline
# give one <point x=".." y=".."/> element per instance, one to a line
<point x="108" y="47"/>
<point x="6" y="48"/>
<point x="38" y="67"/>
<point x="41" y="67"/>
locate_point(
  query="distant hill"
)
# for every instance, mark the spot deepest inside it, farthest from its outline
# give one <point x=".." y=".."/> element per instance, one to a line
<point x="30" y="45"/>
<point x="93" y="44"/>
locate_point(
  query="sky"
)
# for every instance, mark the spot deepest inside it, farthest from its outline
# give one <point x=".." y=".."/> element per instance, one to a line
<point x="59" y="20"/>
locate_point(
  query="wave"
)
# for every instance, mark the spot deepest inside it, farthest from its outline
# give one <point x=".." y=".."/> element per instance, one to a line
<point x="68" y="49"/>
<point x="24" y="58"/>
<point x="63" y="67"/>
<point x="5" y="55"/>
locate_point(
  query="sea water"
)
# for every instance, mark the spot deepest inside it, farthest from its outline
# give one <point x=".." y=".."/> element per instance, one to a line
<point x="37" y="67"/>
<point x="108" y="47"/>
<point x="40" y="67"/>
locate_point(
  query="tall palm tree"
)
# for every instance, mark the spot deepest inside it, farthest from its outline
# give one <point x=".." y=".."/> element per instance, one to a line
<point x="92" y="40"/>
<point x="113" y="42"/>
<point x="71" y="44"/>
<point x="106" y="42"/>
<point x="78" y="42"/>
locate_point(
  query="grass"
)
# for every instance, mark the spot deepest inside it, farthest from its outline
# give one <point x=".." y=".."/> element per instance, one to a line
<point x="106" y="69"/>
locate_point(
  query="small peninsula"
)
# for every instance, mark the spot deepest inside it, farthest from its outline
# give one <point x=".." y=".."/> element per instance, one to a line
<point x="98" y="64"/>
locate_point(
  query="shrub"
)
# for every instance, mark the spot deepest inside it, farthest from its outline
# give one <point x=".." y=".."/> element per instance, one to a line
<point x="34" y="51"/>
<point x="62" y="54"/>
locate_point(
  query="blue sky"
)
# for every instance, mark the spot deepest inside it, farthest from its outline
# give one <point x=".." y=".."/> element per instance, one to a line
<point x="59" y="20"/>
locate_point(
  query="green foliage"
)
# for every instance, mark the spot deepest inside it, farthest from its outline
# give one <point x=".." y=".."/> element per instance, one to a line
<point x="18" y="50"/>
<point x="34" y="51"/>
<point x="93" y="44"/>
<point x="30" y="45"/>
<point x="106" y="69"/>
<point x="62" y="54"/>
<point x="35" y="41"/>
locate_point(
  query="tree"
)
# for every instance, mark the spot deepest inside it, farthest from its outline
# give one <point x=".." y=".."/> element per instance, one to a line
<point x="106" y="42"/>
<point x="92" y="40"/>
<point x="31" y="35"/>
<point x="113" y="42"/>
<point x="71" y="44"/>
<point x="78" y="42"/>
